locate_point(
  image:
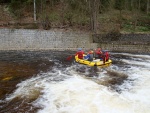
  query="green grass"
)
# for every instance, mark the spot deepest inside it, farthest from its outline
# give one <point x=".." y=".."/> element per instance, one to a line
<point x="130" y="28"/>
<point x="143" y="28"/>
<point x="55" y="17"/>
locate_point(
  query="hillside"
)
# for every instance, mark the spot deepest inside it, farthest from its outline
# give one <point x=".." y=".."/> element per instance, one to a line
<point x="58" y="17"/>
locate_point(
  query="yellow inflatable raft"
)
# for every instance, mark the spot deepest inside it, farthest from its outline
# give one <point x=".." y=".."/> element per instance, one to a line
<point x="96" y="62"/>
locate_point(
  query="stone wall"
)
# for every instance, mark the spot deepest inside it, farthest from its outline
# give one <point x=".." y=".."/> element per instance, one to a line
<point x="126" y="48"/>
<point x="21" y="39"/>
<point x="123" y="42"/>
<point x="122" y="38"/>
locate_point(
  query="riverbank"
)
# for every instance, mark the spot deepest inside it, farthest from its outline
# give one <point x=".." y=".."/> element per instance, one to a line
<point x="59" y="39"/>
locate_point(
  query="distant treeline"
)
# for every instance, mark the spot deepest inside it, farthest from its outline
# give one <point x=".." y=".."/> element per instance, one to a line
<point x="83" y="12"/>
<point x="142" y="5"/>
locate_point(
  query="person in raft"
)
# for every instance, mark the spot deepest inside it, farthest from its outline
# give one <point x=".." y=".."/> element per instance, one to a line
<point x="102" y="55"/>
<point x="90" y="55"/>
<point x="106" y="55"/>
<point x="98" y="54"/>
<point x="80" y="53"/>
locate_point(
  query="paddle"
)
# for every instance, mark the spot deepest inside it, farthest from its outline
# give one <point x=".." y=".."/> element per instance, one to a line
<point x="69" y="58"/>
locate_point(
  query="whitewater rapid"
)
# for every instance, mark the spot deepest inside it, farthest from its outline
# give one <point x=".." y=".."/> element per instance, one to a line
<point x="70" y="91"/>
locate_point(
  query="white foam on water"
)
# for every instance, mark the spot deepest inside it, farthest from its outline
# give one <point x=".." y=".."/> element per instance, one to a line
<point x="139" y="92"/>
<point x="76" y="94"/>
<point x="79" y="95"/>
<point x="33" y="86"/>
<point x="139" y="63"/>
<point x="26" y="89"/>
<point x="134" y="55"/>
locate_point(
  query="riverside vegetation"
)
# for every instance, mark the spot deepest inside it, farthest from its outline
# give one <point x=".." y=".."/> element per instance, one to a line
<point x="97" y="16"/>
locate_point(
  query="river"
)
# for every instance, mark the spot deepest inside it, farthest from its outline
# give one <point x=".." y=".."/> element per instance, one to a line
<point x="45" y="82"/>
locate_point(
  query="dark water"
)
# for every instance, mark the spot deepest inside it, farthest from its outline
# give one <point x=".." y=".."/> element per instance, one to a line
<point x="18" y="66"/>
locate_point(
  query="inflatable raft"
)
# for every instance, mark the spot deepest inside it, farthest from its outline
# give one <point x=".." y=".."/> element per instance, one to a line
<point x="96" y="62"/>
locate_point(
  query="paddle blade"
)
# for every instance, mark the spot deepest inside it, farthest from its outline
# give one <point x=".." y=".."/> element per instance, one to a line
<point x="69" y="58"/>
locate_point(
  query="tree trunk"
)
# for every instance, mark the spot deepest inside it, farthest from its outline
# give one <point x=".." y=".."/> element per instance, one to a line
<point x="62" y="13"/>
<point x="131" y="4"/>
<point x="147" y="11"/>
<point x="125" y="5"/>
<point x="34" y="10"/>
<point x="94" y="6"/>
<point x="41" y="7"/>
<point x="139" y="5"/>
<point x="120" y="20"/>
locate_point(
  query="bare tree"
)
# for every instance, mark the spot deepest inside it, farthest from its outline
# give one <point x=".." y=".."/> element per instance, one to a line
<point x="62" y="12"/>
<point x="139" y="7"/>
<point x="131" y="4"/>
<point x="34" y="10"/>
<point x="94" y="7"/>
<point x="148" y="6"/>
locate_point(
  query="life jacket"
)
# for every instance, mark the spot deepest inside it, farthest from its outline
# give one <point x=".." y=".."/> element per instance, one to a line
<point x="106" y="55"/>
<point x="80" y="54"/>
<point x="98" y="54"/>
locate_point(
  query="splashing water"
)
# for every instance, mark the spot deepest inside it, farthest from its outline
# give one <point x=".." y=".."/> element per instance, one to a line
<point x="69" y="90"/>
